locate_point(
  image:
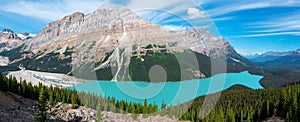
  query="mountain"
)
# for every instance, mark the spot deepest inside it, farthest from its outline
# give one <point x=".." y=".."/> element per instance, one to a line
<point x="267" y="56"/>
<point x="8" y="39"/>
<point x="116" y="43"/>
<point x="290" y="60"/>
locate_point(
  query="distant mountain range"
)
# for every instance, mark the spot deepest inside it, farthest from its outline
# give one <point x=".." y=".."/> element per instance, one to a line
<point x="267" y="56"/>
<point x="290" y="59"/>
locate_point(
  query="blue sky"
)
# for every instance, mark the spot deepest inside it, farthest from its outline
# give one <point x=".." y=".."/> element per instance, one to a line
<point x="250" y="26"/>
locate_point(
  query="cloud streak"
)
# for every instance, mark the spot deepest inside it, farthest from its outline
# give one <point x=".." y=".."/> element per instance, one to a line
<point x="287" y="25"/>
<point x="49" y="10"/>
<point x="224" y="7"/>
<point x="268" y="34"/>
<point x="267" y="25"/>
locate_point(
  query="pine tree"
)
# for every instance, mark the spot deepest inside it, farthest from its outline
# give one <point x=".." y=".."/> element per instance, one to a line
<point x="73" y="100"/>
<point x="41" y="110"/>
<point x="145" y="111"/>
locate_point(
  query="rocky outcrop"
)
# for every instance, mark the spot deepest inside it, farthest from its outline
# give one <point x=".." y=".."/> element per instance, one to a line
<point x="8" y="39"/>
<point x="115" y="117"/>
<point x="64" y="112"/>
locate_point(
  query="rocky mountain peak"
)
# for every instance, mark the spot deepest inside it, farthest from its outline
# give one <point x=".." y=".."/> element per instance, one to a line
<point x="8" y="39"/>
<point x="76" y="28"/>
<point x="6" y="30"/>
<point x="75" y="16"/>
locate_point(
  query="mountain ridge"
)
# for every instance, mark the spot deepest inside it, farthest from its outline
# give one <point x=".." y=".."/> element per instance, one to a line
<point x="289" y="60"/>
<point x="80" y="40"/>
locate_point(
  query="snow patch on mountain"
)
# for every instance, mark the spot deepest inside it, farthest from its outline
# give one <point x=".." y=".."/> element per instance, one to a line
<point x="25" y="35"/>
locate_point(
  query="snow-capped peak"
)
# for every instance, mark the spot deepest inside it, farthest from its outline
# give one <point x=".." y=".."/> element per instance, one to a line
<point x="6" y="30"/>
<point x="25" y="35"/>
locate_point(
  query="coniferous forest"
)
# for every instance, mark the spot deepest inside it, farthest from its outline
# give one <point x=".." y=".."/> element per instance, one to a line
<point x="238" y="103"/>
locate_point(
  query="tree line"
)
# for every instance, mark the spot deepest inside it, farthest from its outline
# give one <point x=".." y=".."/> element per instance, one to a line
<point x="244" y="104"/>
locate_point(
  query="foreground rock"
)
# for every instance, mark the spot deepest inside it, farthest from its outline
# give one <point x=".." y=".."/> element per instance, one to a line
<point x="14" y="108"/>
<point x="64" y="112"/>
<point x="116" y="117"/>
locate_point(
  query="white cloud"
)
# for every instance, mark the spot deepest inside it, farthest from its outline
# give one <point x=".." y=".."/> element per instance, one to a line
<point x="172" y="27"/>
<point x="268" y="34"/>
<point x="195" y="13"/>
<point x="50" y="10"/>
<point x="164" y="12"/>
<point x="160" y="12"/>
<point x="225" y="7"/>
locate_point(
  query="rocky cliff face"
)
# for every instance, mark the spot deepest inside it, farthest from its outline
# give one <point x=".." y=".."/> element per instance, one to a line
<point x="79" y="39"/>
<point x="108" y="29"/>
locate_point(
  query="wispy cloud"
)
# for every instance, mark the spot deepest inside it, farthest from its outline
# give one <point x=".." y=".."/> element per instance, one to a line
<point x="278" y="24"/>
<point x="225" y="7"/>
<point x="156" y="11"/>
<point x="287" y="25"/>
<point x="49" y="10"/>
<point x="267" y="34"/>
<point x="173" y="27"/>
<point x="267" y="25"/>
<point x="222" y="18"/>
<point x="166" y="13"/>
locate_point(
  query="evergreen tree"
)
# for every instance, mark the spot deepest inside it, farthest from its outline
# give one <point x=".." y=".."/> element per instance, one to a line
<point x="41" y="110"/>
<point x="145" y="111"/>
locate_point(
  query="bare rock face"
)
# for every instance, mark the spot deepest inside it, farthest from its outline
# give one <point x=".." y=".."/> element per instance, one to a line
<point x="108" y="29"/>
<point x="8" y="39"/>
<point x="202" y="41"/>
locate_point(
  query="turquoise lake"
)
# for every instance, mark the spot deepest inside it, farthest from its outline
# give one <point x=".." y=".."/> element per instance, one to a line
<point x="169" y="92"/>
